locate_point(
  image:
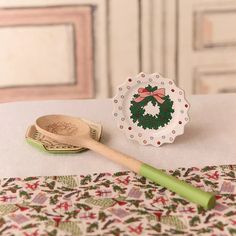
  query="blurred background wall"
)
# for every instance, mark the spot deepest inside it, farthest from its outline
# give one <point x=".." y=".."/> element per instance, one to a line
<point x="58" y="49"/>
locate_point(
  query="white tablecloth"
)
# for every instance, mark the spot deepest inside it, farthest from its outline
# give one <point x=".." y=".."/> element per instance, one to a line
<point x="209" y="138"/>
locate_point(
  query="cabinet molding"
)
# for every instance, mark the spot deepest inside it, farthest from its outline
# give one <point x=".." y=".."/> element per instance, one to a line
<point x="211" y="28"/>
<point x="80" y="18"/>
<point x="215" y="80"/>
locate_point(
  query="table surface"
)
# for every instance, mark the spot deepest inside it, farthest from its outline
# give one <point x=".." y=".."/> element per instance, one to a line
<point x="209" y="138"/>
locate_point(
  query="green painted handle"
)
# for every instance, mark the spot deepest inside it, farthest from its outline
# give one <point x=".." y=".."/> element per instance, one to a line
<point x="191" y="193"/>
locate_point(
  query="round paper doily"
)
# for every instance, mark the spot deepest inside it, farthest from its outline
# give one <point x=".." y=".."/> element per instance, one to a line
<point x="150" y="109"/>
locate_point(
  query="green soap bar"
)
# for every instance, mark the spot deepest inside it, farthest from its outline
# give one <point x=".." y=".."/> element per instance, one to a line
<point x="191" y="193"/>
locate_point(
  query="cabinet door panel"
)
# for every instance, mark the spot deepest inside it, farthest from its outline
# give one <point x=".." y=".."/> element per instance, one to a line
<point x="215" y="80"/>
<point x="207" y="39"/>
<point x="35" y="64"/>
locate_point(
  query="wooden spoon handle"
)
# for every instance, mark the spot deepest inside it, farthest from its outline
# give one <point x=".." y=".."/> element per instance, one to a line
<point x="191" y="193"/>
<point x="114" y="155"/>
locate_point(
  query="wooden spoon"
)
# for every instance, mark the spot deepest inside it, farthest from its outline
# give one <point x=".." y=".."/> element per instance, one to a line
<point x="73" y="131"/>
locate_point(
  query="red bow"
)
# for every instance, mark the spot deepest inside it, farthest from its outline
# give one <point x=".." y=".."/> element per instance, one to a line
<point x="157" y="94"/>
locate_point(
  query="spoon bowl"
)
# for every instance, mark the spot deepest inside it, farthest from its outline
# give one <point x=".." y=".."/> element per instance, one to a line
<point x="65" y="129"/>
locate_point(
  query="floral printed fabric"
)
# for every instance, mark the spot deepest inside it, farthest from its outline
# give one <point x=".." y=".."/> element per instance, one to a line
<point x="121" y="203"/>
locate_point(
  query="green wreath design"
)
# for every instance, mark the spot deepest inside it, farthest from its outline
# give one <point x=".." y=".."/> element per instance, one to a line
<point x="149" y="121"/>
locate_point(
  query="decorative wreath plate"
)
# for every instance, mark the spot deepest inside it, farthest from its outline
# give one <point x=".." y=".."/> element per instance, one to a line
<point x="150" y="109"/>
